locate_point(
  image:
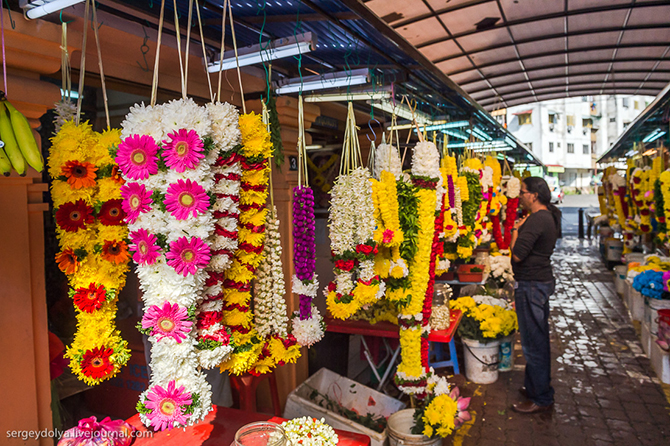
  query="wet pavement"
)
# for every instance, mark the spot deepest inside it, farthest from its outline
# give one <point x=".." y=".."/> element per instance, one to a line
<point x="606" y="390"/>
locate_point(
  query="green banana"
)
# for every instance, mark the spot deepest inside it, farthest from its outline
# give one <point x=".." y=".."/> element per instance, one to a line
<point x="25" y="138"/>
<point x="11" y="146"/>
<point x="5" y="164"/>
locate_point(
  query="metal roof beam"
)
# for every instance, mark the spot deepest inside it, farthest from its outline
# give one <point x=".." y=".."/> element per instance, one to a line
<point x="540" y="90"/>
<point x="563" y="65"/>
<point x="643" y="27"/>
<point x="570" y="51"/>
<point x="562" y="76"/>
<point x="561" y="94"/>
<point x="531" y="19"/>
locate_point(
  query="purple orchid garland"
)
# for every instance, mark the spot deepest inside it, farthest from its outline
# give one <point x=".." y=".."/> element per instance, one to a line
<point x="304" y="245"/>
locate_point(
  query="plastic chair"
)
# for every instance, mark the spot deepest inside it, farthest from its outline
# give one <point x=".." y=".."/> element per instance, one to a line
<point x="245" y="387"/>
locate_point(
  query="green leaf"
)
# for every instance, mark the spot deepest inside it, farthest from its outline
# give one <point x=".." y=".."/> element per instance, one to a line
<point x="81" y="254"/>
<point x="140" y="407"/>
<point x="161" y="240"/>
<point x="275" y="132"/>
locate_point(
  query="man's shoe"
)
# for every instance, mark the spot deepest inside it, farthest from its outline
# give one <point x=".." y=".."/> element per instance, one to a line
<point x="523" y="392"/>
<point x="530" y="407"/>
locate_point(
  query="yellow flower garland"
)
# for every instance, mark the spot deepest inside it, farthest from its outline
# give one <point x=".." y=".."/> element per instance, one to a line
<point x="95" y="328"/>
<point x="247" y="343"/>
<point x="385" y="199"/>
<point x="410" y="346"/>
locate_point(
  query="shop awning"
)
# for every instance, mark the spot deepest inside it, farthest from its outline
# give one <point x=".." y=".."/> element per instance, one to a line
<point x="525" y="112"/>
<point x="555" y="168"/>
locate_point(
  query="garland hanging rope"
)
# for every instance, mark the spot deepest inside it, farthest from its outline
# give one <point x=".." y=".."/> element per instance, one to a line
<point x="86" y="191"/>
<point x="307" y="323"/>
<point x="352" y="225"/>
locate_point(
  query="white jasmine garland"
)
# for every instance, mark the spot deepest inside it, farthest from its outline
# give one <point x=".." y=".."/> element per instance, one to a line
<point x="269" y="288"/>
<point x="513" y="187"/>
<point x="426" y="160"/>
<point x="387" y="158"/>
<point x="309" y="331"/>
<point x="308" y="431"/>
<point x="487" y="179"/>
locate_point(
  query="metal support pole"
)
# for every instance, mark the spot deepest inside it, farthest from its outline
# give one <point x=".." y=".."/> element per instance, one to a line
<point x="580" y="222"/>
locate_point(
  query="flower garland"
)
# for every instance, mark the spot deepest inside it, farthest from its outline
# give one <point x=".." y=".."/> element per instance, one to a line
<point x="387" y="159"/>
<point x="448" y="233"/>
<point x="270" y="316"/>
<point x="308" y="431"/>
<point x="213" y="338"/>
<point x="352" y="224"/>
<point x="619" y="192"/>
<point x="166" y="157"/>
<point x="414" y="317"/>
<point x="307" y="321"/>
<point x="256" y="150"/>
<point x="503" y="240"/>
<point x="94" y="254"/>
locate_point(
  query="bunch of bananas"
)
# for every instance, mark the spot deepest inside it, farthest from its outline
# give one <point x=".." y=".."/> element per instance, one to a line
<point x="19" y="146"/>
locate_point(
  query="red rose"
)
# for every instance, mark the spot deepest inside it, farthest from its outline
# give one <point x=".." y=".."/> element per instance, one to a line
<point x="661" y="219"/>
<point x="637" y="180"/>
<point x="365" y="249"/>
<point x="332" y="287"/>
<point x="345" y="265"/>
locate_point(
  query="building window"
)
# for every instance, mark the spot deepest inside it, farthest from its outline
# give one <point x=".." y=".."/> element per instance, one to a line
<point x="587" y="123"/>
<point x="624" y="102"/>
<point x="585" y="149"/>
<point x="571" y="148"/>
<point x="570" y="121"/>
<point x="636" y="105"/>
<point x="525" y="119"/>
<point x="558" y="145"/>
<point x="612" y="119"/>
<point x="593" y="147"/>
<point x="553" y="118"/>
<point x="551" y="147"/>
<point x="530" y="146"/>
<point x="626" y="124"/>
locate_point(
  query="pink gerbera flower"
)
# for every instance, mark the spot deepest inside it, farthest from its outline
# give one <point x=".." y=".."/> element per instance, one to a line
<point x="136" y="200"/>
<point x="170" y="321"/>
<point x="167" y="406"/>
<point x="144" y="246"/>
<point x="186" y="198"/>
<point x="187" y="256"/>
<point x="184" y="150"/>
<point x="137" y="158"/>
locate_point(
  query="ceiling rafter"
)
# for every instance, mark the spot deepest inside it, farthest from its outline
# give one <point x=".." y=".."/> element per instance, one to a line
<point x="534" y="39"/>
<point x="531" y="19"/>
<point x="425" y="2"/>
<point x="653" y="70"/>
<point x="562" y="76"/>
<point x="540" y="90"/>
<point x="618" y="42"/>
<point x="569" y="51"/>
<point x="487" y="103"/>
<point x="516" y="50"/>
<point x="563" y="65"/>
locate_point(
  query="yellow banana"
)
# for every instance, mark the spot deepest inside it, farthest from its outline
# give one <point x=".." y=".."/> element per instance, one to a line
<point x="25" y="138"/>
<point x="11" y="146"/>
<point x="5" y="164"/>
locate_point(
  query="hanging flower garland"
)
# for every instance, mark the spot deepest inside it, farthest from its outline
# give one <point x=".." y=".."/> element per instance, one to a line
<point x="213" y="338"/>
<point x="448" y="234"/>
<point x="256" y="150"/>
<point x="307" y="322"/>
<point x="503" y="240"/>
<point x="413" y="370"/>
<point x="166" y="158"/>
<point x="352" y="224"/>
<point x="94" y="255"/>
<point x="270" y="318"/>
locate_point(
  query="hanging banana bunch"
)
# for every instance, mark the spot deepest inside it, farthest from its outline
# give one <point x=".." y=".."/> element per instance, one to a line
<point x="19" y="146"/>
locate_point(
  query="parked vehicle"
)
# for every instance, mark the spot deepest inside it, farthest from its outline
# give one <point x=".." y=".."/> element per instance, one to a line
<point x="556" y="191"/>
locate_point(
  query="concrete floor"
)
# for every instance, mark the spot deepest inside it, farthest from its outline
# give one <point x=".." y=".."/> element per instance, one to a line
<point x="606" y="390"/>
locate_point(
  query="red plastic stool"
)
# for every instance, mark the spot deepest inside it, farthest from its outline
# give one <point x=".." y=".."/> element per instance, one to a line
<point x="245" y="387"/>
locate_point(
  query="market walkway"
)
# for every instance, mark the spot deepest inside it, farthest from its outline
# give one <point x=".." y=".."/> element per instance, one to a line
<point x="606" y="390"/>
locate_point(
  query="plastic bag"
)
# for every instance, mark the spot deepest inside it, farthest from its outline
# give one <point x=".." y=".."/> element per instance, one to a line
<point x="90" y="432"/>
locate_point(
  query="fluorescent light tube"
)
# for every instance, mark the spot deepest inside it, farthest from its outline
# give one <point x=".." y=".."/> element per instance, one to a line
<point x="448" y="125"/>
<point x="360" y="96"/>
<point x="72" y="94"/>
<point x="275" y="49"/>
<point x="41" y="8"/>
<point x="456" y="134"/>
<point x="401" y="111"/>
<point x="653" y="136"/>
<point x="325" y="81"/>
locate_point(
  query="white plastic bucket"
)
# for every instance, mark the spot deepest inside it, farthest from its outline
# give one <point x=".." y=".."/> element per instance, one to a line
<point x="620" y="278"/>
<point x="654" y="306"/>
<point x="481" y="360"/>
<point x="636" y="305"/>
<point x="399" y="428"/>
<point x="614" y="249"/>
<point x="506" y="354"/>
<point x="634" y="257"/>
